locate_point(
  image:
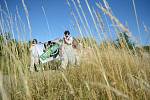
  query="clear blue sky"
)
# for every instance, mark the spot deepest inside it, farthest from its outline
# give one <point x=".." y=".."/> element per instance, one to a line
<point x="59" y="18"/>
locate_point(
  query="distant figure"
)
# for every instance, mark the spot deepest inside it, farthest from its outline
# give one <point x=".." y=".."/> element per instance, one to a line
<point x="50" y="44"/>
<point x="34" y="56"/>
<point x="68" y="53"/>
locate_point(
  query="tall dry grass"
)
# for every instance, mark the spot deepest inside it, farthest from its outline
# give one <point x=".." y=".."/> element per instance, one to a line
<point x="105" y="72"/>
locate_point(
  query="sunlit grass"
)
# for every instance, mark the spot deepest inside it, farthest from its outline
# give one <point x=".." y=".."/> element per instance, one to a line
<point x="105" y="72"/>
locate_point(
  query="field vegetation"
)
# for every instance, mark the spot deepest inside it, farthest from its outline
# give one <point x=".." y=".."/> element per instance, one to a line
<point x="110" y="68"/>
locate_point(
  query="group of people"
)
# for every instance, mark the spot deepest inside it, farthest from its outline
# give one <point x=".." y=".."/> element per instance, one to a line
<point x="67" y="54"/>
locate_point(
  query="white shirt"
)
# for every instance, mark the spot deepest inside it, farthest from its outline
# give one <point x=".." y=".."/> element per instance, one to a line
<point x="34" y="51"/>
<point x="37" y="49"/>
<point x="68" y="40"/>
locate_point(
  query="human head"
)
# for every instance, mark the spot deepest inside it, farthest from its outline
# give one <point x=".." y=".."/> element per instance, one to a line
<point x="49" y="42"/>
<point x="34" y="41"/>
<point x="66" y="33"/>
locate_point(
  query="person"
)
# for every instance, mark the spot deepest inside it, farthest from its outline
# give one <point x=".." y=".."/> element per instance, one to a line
<point x="50" y="44"/>
<point x="68" y="53"/>
<point x="67" y="38"/>
<point x="34" y="56"/>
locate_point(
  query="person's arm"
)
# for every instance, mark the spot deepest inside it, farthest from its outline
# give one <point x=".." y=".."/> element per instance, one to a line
<point x="31" y="46"/>
<point x="68" y="40"/>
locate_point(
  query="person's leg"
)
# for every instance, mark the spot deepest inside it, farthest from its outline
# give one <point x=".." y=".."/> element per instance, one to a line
<point x="36" y="62"/>
<point x="77" y="58"/>
<point x="71" y="56"/>
<point x="32" y="69"/>
<point x="64" y="61"/>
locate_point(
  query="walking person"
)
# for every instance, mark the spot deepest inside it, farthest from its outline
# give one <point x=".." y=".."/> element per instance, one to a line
<point x="68" y="53"/>
<point x="34" y="56"/>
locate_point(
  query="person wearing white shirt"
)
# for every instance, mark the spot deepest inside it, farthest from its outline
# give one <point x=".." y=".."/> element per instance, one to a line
<point x="68" y="54"/>
<point x="34" y="55"/>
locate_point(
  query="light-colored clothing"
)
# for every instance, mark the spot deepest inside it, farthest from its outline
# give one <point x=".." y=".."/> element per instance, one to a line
<point x="36" y="51"/>
<point x="40" y="48"/>
<point x="68" y="53"/>
<point x="68" y="40"/>
<point x="68" y="56"/>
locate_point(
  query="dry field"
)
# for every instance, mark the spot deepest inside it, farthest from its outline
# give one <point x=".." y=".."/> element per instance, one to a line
<point x="105" y="72"/>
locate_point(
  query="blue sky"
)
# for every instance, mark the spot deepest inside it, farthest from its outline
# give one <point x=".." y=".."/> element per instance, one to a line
<point x="60" y="19"/>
